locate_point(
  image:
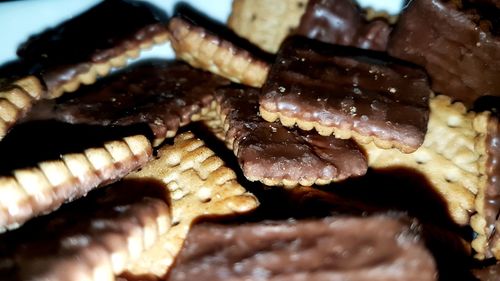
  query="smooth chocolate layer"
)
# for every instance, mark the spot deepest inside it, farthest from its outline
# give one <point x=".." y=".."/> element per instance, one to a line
<point x="271" y="151"/>
<point x="492" y="192"/>
<point x="160" y="93"/>
<point x="335" y="248"/>
<point x="86" y="239"/>
<point x="349" y="89"/>
<point x="342" y="22"/>
<point x="99" y="34"/>
<point x="456" y="41"/>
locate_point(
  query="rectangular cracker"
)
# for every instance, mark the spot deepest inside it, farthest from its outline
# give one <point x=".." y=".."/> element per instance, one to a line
<point x="276" y="155"/>
<point x="347" y="92"/>
<point x="90" y="239"/>
<point x="44" y="188"/>
<point x="199" y="185"/>
<point x="89" y="45"/>
<point x="207" y="50"/>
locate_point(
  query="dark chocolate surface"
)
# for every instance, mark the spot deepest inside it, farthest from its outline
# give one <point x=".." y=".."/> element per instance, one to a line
<point x="335" y="248"/>
<point x="342" y="22"/>
<point x="97" y="35"/>
<point x="456" y="41"/>
<point x="350" y="89"/>
<point x="163" y="94"/>
<point x="271" y="151"/>
<point x="66" y="244"/>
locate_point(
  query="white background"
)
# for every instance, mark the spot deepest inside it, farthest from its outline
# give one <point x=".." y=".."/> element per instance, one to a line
<point x="20" y="19"/>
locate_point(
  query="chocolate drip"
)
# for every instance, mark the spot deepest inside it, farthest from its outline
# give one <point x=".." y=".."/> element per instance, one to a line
<point x="348" y="88"/>
<point x="342" y="22"/>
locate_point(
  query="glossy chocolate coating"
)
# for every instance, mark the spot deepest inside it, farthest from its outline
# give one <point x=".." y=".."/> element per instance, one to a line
<point x="271" y="151"/>
<point x="458" y="46"/>
<point x="492" y="192"/>
<point x="334" y="248"/>
<point x="160" y="93"/>
<point x="71" y="242"/>
<point x="342" y="22"/>
<point x="350" y="89"/>
<point x="99" y="34"/>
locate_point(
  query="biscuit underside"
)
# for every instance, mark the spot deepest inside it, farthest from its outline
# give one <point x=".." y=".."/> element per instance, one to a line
<point x="203" y="49"/>
<point x="16" y="100"/>
<point x="199" y="185"/>
<point x="30" y="192"/>
<point x="266" y="23"/>
<point x="103" y="68"/>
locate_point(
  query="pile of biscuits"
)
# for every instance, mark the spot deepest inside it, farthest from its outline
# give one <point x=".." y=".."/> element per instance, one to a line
<point x="321" y="142"/>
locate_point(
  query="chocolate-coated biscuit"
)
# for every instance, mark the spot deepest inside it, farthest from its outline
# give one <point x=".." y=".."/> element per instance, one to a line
<point x="449" y="158"/>
<point x="91" y="44"/>
<point x="276" y="155"/>
<point x="268" y="23"/>
<point x="205" y="49"/>
<point x="90" y="239"/>
<point x="456" y="41"/>
<point x="334" y="248"/>
<point x="342" y="22"/>
<point x="199" y="185"/>
<point x="16" y="99"/>
<point x="163" y="94"/>
<point x="33" y="191"/>
<point x="347" y="92"/>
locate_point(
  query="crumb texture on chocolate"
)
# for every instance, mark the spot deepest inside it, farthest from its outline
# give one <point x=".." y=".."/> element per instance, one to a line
<point x="342" y="22"/>
<point x="163" y="94"/>
<point x="456" y="41"/>
<point x="276" y="155"/>
<point x="350" y="92"/>
<point x="343" y="248"/>
<point x="91" y="239"/>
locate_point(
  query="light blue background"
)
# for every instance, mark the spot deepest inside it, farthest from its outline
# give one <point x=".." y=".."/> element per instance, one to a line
<point x="19" y="19"/>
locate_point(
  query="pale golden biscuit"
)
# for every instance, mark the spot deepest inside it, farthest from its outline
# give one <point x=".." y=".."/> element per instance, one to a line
<point x="30" y="192"/>
<point x="16" y="98"/>
<point x="199" y="185"/>
<point x="266" y="23"/>
<point x="448" y="158"/>
<point x="206" y="50"/>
